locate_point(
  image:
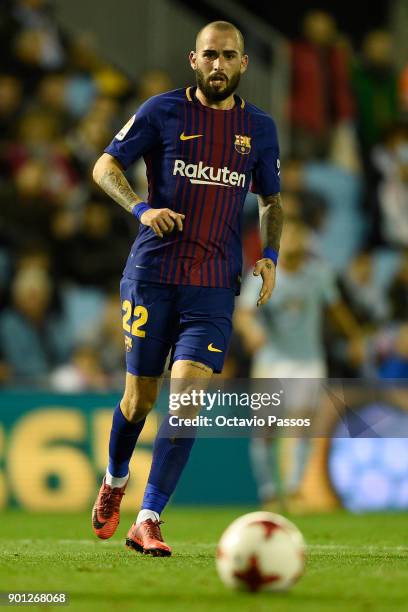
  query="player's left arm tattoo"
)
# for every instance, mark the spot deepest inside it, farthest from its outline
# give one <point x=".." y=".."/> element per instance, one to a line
<point x="271" y="220"/>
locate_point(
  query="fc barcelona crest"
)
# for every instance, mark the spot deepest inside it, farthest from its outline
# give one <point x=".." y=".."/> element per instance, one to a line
<point x="242" y="144"/>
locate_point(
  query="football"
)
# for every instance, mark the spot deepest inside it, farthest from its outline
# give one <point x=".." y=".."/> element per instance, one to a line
<point x="261" y="551"/>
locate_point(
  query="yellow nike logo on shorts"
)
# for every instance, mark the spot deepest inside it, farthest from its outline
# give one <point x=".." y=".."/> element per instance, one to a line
<point x="213" y="349"/>
<point x="184" y="137"/>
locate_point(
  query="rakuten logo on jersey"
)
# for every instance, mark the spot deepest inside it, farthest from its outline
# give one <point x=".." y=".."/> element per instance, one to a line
<point x="207" y="175"/>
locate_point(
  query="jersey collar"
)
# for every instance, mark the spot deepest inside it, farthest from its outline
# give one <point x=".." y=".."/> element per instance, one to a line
<point x="191" y="97"/>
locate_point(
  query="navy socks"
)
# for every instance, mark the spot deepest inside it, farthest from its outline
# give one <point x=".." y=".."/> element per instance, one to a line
<point x="170" y="455"/>
<point x="123" y="438"/>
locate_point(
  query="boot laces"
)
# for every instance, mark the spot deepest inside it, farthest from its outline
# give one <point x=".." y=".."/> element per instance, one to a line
<point x="153" y="529"/>
<point x="110" y="501"/>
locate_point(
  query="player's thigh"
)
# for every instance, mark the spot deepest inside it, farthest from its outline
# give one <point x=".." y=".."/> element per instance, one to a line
<point x="188" y="376"/>
<point x="205" y="328"/>
<point x="185" y="369"/>
<point x="148" y="318"/>
<point x="139" y="396"/>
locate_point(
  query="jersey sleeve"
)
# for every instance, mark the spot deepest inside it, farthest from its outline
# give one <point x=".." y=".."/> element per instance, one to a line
<point x="140" y="134"/>
<point x="266" y="174"/>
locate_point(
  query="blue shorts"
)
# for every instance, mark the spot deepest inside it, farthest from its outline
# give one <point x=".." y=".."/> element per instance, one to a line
<point x="195" y="323"/>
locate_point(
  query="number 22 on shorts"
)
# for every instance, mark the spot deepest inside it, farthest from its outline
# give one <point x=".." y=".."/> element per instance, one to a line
<point x="141" y="315"/>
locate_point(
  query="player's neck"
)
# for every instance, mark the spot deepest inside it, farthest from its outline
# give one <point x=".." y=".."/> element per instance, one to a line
<point x="226" y="104"/>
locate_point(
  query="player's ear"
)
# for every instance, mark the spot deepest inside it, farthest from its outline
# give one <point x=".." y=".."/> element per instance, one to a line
<point x="193" y="59"/>
<point x="244" y="63"/>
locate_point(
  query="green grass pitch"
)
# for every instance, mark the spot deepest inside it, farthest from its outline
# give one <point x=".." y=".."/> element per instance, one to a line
<point x="354" y="563"/>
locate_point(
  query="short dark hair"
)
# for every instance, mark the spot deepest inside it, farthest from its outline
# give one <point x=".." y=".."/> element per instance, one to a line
<point x="224" y="25"/>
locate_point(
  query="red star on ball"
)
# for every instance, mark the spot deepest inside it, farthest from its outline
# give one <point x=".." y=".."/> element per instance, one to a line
<point x="269" y="527"/>
<point x="253" y="577"/>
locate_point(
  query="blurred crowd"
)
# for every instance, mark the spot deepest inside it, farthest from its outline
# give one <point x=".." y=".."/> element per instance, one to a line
<point x="63" y="243"/>
<point x="345" y="179"/>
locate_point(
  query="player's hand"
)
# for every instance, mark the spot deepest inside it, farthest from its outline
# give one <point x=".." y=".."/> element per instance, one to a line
<point x="266" y="268"/>
<point x="162" y="220"/>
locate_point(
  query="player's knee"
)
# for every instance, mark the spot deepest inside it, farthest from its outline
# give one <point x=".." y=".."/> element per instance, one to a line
<point x="135" y="407"/>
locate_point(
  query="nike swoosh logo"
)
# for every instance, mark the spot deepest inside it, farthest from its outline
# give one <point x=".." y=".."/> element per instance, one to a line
<point x="213" y="349"/>
<point x="95" y="522"/>
<point x="184" y="137"/>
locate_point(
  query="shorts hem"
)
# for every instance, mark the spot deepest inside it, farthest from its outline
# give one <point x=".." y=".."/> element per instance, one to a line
<point x="139" y="372"/>
<point x="197" y="359"/>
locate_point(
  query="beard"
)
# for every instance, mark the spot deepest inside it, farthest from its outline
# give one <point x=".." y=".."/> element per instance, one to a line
<point x="214" y="92"/>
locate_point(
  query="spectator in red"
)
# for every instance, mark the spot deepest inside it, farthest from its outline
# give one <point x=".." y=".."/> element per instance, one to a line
<point x="321" y="98"/>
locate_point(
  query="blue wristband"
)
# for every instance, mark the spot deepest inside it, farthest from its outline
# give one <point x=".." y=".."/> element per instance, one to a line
<point x="139" y="209"/>
<point x="270" y="253"/>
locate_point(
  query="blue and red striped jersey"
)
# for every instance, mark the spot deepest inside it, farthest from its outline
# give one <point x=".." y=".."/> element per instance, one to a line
<point x="200" y="162"/>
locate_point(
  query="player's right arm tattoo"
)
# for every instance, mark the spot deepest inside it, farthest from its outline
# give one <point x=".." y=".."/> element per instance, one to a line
<point x="114" y="183"/>
<point x="271" y="220"/>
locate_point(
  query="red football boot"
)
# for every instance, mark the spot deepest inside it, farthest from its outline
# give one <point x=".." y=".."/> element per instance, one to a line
<point x="145" y="537"/>
<point x="105" y="513"/>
